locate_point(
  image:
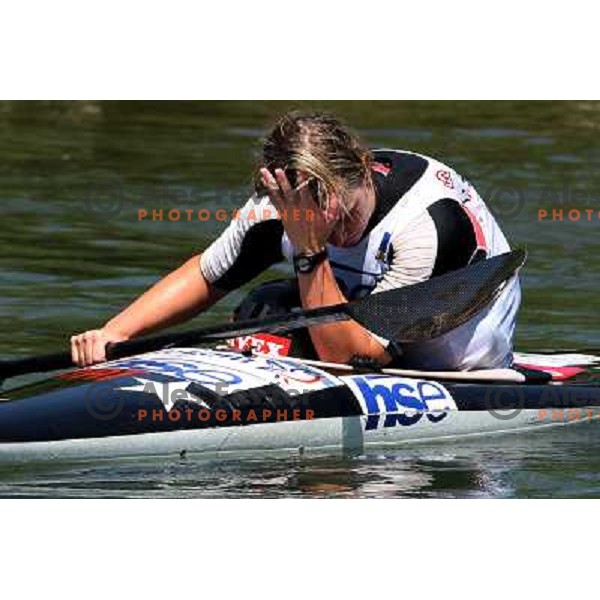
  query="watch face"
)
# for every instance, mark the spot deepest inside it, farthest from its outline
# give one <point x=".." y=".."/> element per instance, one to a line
<point x="303" y="263"/>
<point x="306" y="264"/>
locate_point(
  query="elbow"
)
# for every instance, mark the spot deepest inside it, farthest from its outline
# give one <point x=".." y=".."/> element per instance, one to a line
<point x="345" y="353"/>
<point x="348" y="354"/>
<point x="336" y="356"/>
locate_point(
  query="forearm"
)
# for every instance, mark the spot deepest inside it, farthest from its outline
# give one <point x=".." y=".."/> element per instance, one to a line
<point x="339" y="341"/>
<point x="176" y="298"/>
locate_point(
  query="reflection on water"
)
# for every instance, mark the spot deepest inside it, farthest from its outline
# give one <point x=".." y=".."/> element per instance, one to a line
<point x="559" y="462"/>
<point x="73" y="177"/>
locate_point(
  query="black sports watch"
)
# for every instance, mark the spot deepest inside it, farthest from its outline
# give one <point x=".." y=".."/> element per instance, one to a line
<point x="306" y="263"/>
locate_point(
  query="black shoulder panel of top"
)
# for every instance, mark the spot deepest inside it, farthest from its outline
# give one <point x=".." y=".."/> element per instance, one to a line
<point x="403" y="171"/>
<point x="260" y="249"/>
<point x="457" y="241"/>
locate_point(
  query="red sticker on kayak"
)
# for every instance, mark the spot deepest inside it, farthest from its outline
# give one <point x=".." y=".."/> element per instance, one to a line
<point x="98" y="374"/>
<point x="557" y="373"/>
<point x="262" y="343"/>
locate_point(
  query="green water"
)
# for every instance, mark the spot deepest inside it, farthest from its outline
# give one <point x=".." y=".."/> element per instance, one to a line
<point x="73" y="177"/>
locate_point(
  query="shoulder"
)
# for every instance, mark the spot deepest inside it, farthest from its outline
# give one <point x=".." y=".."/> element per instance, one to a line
<point x="412" y="182"/>
<point x="395" y="157"/>
<point x="398" y="166"/>
<point x="397" y="172"/>
<point x="403" y="167"/>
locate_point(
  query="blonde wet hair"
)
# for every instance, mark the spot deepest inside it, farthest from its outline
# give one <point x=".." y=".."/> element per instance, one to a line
<point x="321" y="146"/>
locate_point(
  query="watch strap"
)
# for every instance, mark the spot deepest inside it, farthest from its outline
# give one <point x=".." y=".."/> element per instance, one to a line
<point x="306" y="263"/>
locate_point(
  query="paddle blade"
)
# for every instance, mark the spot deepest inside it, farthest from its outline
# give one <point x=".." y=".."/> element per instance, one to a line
<point x="429" y="309"/>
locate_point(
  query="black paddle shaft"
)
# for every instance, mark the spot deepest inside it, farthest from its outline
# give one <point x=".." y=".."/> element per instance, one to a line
<point x="411" y="314"/>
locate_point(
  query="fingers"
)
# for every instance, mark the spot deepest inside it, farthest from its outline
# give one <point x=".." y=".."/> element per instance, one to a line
<point x="284" y="184"/>
<point x="281" y="191"/>
<point x="88" y="348"/>
<point x="272" y="187"/>
<point x="268" y="179"/>
<point x="279" y="187"/>
<point x="97" y="347"/>
<point x="75" y="349"/>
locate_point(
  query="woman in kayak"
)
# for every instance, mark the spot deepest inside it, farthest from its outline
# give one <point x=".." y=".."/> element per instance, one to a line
<point x="352" y="221"/>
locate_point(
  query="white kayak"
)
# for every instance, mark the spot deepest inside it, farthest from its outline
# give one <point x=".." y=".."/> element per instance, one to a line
<point x="222" y="403"/>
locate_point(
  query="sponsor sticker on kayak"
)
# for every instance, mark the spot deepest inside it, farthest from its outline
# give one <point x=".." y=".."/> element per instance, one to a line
<point x="262" y="343"/>
<point x="221" y="378"/>
<point x="98" y="374"/>
<point x="401" y="401"/>
<point x="226" y="372"/>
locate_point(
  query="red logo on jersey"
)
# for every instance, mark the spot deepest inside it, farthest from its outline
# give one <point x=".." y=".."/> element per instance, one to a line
<point x="381" y="168"/>
<point x="446" y="178"/>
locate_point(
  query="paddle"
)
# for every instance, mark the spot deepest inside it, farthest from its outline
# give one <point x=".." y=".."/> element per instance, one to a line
<point x="410" y="314"/>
